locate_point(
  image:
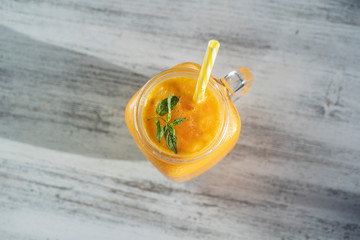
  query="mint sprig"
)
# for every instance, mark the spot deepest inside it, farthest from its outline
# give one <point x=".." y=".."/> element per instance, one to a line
<point x="168" y="131"/>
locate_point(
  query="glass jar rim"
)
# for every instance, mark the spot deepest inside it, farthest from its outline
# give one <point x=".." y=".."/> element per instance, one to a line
<point x="138" y="115"/>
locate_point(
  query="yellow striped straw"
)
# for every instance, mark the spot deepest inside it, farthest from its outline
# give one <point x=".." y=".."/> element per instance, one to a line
<point x="206" y="68"/>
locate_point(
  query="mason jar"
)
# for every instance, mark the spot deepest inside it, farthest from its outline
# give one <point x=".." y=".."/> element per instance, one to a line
<point x="179" y="167"/>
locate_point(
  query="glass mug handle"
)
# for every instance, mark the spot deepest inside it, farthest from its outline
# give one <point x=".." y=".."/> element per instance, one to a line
<point x="238" y="82"/>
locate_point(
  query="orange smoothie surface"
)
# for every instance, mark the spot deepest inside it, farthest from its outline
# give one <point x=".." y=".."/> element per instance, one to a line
<point x="202" y="119"/>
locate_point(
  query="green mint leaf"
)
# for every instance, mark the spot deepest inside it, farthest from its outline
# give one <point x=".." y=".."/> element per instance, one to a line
<point x="159" y="130"/>
<point x="170" y="138"/>
<point x="178" y="121"/>
<point x="162" y="107"/>
<point x="174" y="101"/>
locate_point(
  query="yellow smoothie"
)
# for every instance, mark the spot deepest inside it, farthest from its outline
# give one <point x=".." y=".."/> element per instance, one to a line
<point x="202" y="121"/>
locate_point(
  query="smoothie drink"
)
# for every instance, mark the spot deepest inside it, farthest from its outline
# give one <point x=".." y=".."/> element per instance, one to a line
<point x="208" y="133"/>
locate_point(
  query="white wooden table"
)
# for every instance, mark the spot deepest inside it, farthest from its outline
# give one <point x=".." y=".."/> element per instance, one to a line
<point x="70" y="170"/>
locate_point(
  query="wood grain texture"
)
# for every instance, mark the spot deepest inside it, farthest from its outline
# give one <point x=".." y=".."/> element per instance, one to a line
<point x="68" y="68"/>
<point x="58" y="195"/>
